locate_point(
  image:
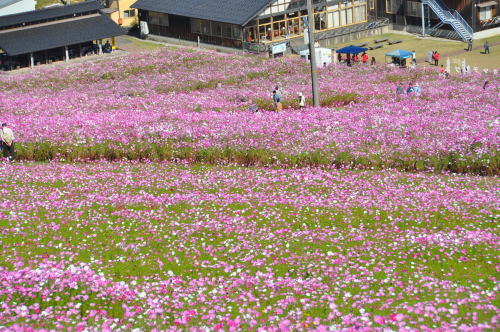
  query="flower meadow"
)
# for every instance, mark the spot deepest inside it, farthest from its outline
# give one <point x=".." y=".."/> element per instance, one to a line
<point x="165" y="105"/>
<point x="148" y="195"/>
<point x="126" y="245"/>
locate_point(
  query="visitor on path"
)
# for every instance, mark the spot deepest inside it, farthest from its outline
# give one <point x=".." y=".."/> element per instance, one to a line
<point x="356" y="58"/>
<point x="441" y="70"/>
<point x="414" y="57"/>
<point x="373" y="61"/>
<point x="301" y="100"/>
<point x="7" y="142"/>
<point x="469" y="45"/>
<point x="339" y="57"/>
<point x="486" y="47"/>
<point x="365" y="58"/>
<point x="436" y="58"/>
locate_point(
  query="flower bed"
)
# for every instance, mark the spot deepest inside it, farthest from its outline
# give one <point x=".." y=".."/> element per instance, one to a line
<point x="101" y="246"/>
<point x="166" y="105"/>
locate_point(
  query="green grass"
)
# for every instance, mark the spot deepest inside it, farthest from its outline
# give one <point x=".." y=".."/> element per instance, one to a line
<point x="143" y="44"/>
<point x="410" y="261"/>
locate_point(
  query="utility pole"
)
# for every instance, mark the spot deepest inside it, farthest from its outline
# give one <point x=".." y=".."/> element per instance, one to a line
<point x="312" y="54"/>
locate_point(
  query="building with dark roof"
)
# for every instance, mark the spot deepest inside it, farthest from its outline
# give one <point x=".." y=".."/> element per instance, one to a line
<point x="52" y="34"/>
<point x="248" y="23"/>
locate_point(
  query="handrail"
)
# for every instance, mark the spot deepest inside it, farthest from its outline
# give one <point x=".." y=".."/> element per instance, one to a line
<point x="438" y="6"/>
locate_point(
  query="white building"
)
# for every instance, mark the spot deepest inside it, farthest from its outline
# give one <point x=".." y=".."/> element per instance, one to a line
<point x="9" y="7"/>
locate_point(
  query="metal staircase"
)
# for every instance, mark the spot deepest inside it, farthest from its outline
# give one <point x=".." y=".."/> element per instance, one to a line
<point x="451" y="17"/>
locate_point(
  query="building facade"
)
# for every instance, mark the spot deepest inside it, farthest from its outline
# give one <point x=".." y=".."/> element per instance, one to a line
<point x="54" y="34"/>
<point x="236" y="23"/>
<point x="122" y="14"/>
<point x="479" y="14"/>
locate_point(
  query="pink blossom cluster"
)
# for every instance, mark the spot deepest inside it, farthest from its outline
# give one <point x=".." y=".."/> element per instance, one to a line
<point x="171" y="97"/>
<point x="155" y="246"/>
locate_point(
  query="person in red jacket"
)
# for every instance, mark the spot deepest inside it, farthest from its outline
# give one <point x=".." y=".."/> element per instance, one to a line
<point x="365" y="58"/>
<point x="436" y="58"/>
<point x="356" y="58"/>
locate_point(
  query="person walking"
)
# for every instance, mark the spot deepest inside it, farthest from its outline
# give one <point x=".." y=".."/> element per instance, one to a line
<point x="7" y="142"/>
<point x="373" y="62"/>
<point x="414" y="57"/>
<point x="469" y="45"/>
<point x="486" y="47"/>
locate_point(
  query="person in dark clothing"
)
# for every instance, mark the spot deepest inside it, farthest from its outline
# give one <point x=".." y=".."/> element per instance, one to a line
<point x="107" y="47"/>
<point x="486" y="47"/>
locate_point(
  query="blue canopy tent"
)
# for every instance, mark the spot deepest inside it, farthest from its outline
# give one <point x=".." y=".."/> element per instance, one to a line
<point x="399" y="57"/>
<point x="352" y="49"/>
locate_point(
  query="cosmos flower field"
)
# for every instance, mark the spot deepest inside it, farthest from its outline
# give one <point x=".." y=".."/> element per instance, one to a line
<point x="147" y="198"/>
<point x="165" y="105"/>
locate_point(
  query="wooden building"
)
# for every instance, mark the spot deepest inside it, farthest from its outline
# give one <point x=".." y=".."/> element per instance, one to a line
<point x="54" y="34"/>
<point x="235" y="23"/>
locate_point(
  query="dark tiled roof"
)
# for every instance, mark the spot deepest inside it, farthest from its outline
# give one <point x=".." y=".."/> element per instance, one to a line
<point x="49" y="13"/>
<point x="58" y="34"/>
<point x="227" y="11"/>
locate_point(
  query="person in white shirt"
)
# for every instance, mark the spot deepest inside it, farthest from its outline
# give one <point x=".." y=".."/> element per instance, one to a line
<point x="301" y="100"/>
<point x="7" y="142"/>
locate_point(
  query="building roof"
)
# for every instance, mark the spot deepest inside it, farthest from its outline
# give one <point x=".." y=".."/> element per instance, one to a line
<point x="49" y="13"/>
<point x="57" y="34"/>
<point x="237" y="12"/>
<point x="487" y="4"/>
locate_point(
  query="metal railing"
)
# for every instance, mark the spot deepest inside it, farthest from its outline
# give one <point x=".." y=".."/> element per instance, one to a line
<point x="450" y="16"/>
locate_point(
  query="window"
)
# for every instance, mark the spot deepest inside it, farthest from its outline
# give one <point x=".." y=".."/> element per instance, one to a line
<point x="413" y="8"/>
<point x="372" y="4"/>
<point x="485" y="13"/>
<point x="129" y="13"/>
<point x="389" y="6"/>
<point x="158" y="18"/>
<point x="195" y="25"/>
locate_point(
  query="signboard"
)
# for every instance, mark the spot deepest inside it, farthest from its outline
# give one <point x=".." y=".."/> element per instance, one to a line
<point x="144" y="28"/>
<point x="278" y="48"/>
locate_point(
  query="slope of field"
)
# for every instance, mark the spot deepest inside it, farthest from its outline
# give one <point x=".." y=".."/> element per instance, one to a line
<point x="165" y="105"/>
